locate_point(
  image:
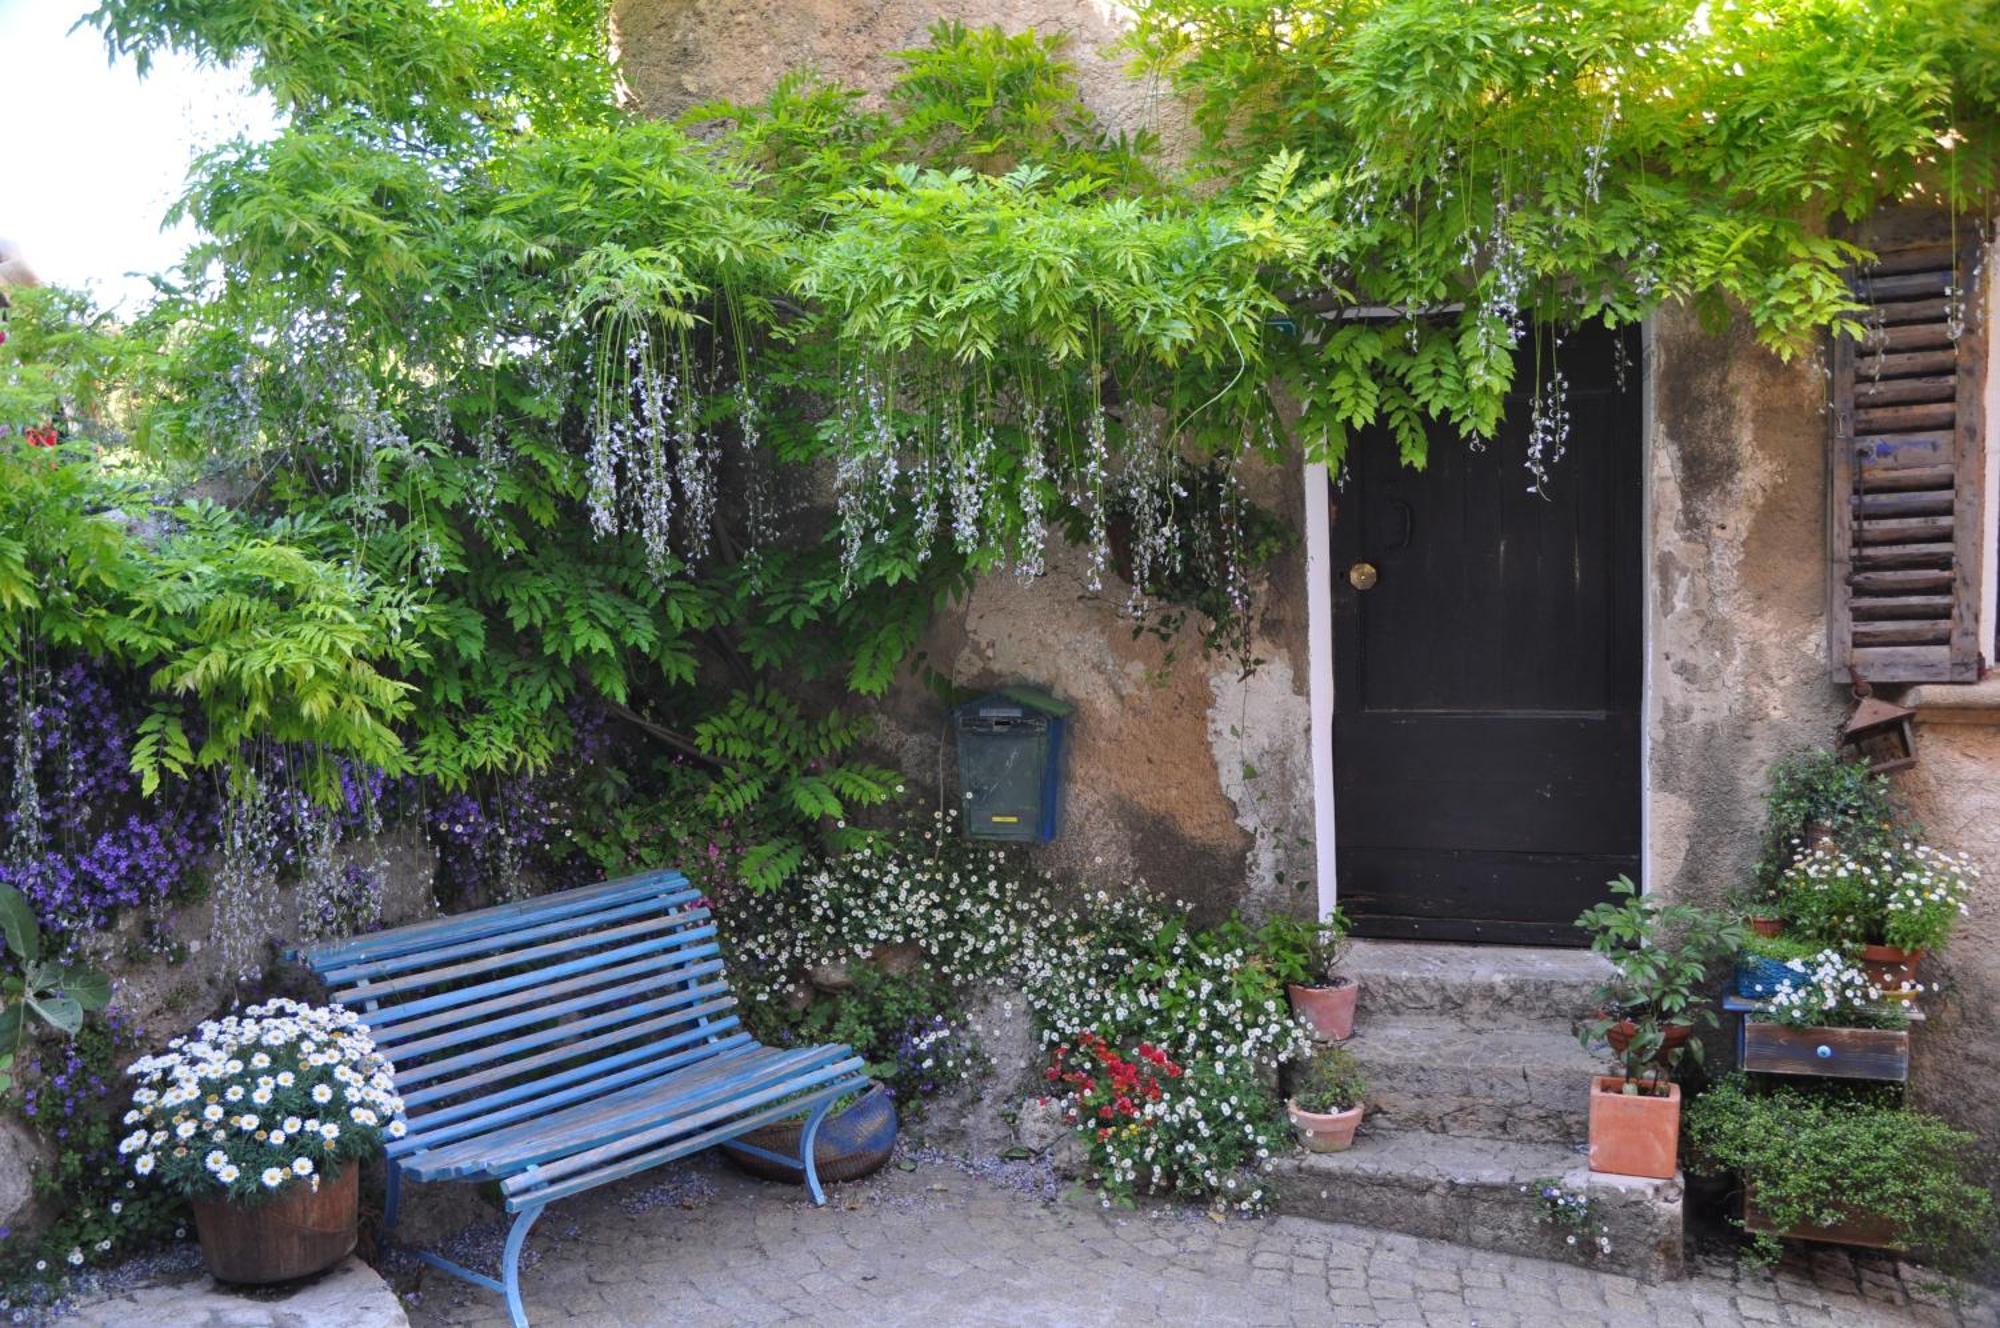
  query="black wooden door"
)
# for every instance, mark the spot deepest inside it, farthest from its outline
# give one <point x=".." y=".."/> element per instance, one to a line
<point x="1486" y="686"/>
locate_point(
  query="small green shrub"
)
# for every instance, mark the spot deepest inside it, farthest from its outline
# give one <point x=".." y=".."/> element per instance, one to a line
<point x="1300" y="952"/>
<point x="1813" y="787"/>
<point x="1782" y="947"/>
<point x="1329" y="1081"/>
<point x="1660" y="956"/>
<point x="1908" y="895"/>
<point x="1817" y="1157"/>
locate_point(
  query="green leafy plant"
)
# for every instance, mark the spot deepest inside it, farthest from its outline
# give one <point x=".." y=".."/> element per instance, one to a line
<point x="1817" y="791"/>
<point x="1329" y="1081"/>
<point x="1300" y="952"/>
<point x="1655" y="999"/>
<point x="1781" y="947"/>
<point x="1908" y="895"/>
<point x="1815" y="1158"/>
<point x="56" y="993"/>
<point x="1573" y="1213"/>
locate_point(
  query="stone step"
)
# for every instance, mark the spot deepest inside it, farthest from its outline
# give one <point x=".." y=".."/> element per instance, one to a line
<point x="1481" y="1192"/>
<point x="1481" y="984"/>
<point x="1437" y="1074"/>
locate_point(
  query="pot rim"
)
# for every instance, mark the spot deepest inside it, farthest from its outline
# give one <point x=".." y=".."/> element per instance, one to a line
<point x="1616" y="1088"/>
<point x="1333" y="983"/>
<point x="1304" y="1117"/>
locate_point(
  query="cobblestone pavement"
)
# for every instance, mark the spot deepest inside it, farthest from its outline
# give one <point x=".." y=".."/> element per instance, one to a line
<point x="937" y="1247"/>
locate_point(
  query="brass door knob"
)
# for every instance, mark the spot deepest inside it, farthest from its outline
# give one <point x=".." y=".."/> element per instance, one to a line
<point x="1362" y="576"/>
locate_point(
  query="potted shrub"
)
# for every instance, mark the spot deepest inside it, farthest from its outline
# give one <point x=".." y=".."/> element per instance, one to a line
<point x="1847" y="1165"/>
<point x="1660" y="955"/>
<point x="1892" y="903"/>
<point x="262" y="1119"/>
<point x="1326" y="1104"/>
<point x="1301" y="955"/>
<point x="1647" y="1013"/>
<point x="1816" y="795"/>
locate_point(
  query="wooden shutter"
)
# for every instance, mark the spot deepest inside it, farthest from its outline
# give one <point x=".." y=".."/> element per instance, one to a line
<point x="1907" y="474"/>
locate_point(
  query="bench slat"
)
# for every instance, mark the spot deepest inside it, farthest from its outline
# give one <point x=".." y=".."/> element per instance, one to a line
<point x="532" y="1015"/>
<point x="719" y="1029"/>
<point x="711" y="1084"/>
<point x="500" y="918"/>
<point x="385" y="1019"/>
<point x="661" y="968"/>
<point x="494" y="1051"/>
<point x="532" y="1188"/>
<point x="730" y="1104"/>
<point x="502" y="1073"/>
<point x="578" y="926"/>
<point x="376" y="991"/>
<point x="490" y="1116"/>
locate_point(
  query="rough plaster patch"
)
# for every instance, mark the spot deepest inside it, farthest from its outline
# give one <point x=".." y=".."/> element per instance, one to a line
<point x="1260" y="731"/>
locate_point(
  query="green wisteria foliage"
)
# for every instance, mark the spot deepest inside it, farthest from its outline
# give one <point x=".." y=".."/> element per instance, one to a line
<point x="577" y="383"/>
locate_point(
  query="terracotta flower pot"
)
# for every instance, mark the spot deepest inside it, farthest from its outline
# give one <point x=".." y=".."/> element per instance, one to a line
<point x="1890" y="968"/>
<point x="1620" y="1036"/>
<point x="1766" y="924"/>
<point x="1634" y="1134"/>
<point x="1328" y="1011"/>
<point x="297" y="1234"/>
<point x="1320" y="1132"/>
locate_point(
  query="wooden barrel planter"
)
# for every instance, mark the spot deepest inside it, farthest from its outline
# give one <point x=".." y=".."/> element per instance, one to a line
<point x="852" y="1143"/>
<point x="301" y="1232"/>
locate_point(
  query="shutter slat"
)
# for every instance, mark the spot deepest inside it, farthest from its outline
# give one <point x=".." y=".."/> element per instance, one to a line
<point x="1890" y="391"/>
<point x="1912" y="258"/>
<point x="1902" y="286"/>
<point x="1904" y="476"/>
<point x="1876" y="479"/>
<point x="1904" y="555"/>
<point x="1877" y="368"/>
<point x="1912" y="311"/>
<point x="1903" y="633"/>
<point x="1922" y="415"/>
<point x="1900" y="583"/>
<point x="1908" y="336"/>
<point x="1913" y="530"/>
<point x="1883" y="608"/>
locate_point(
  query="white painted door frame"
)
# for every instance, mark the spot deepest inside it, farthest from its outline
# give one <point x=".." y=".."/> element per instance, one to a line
<point x="1319" y="644"/>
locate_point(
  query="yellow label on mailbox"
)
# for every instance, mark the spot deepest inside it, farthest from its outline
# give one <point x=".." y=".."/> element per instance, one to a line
<point x="1006" y="820"/>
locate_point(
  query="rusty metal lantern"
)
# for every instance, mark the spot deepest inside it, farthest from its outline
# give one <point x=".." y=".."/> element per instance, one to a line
<point x="1879" y="732"/>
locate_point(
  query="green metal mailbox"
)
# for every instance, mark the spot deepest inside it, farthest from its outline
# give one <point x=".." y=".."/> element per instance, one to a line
<point x="1010" y="758"/>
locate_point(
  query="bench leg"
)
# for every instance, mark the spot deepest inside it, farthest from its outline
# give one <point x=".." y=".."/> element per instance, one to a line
<point x="808" y="1148"/>
<point x="510" y="1264"/>
<point x="392" y="1199"/>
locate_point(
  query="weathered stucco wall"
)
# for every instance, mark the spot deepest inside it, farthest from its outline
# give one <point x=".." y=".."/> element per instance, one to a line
<point x="1183" y="773"/>
<point x="1739" y="673"/>
<point x="1200" y="781"/>
<point x="1736" y="594"/>
<point x="674" y="54"/>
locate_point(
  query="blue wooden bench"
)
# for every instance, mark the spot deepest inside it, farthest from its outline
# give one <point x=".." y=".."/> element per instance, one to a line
<point x="560" y="1043"/>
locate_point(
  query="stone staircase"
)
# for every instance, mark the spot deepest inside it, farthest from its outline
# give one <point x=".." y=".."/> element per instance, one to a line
<point x="1477" y="1089"/>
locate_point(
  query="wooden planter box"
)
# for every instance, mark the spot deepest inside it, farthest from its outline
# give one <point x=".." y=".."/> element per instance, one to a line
<point x="1830" y="1053"/>
<point x="1857" y="1228"/>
